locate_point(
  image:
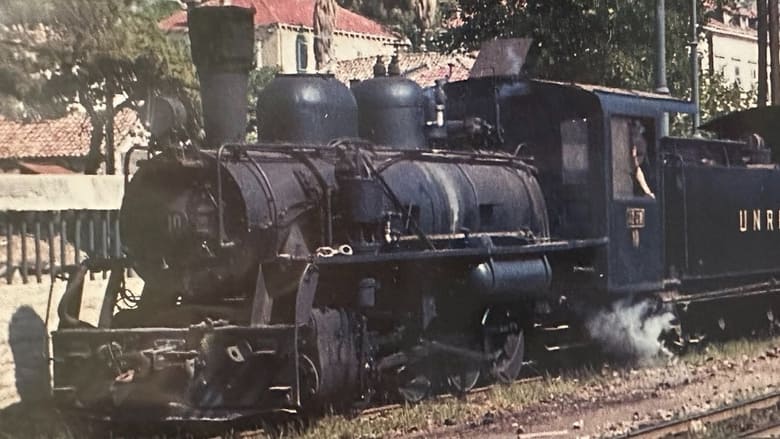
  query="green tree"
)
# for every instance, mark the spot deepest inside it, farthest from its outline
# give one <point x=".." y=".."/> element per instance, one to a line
<point x="258" y="79"/>
<point x="399" y="15"/>
<point x="55" y="53"/>
<point x="719" y="96"/>
<point x="607" y="42"/>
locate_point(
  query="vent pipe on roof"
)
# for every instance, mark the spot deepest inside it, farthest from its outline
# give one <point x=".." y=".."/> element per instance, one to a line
<point x="222" y="44"/>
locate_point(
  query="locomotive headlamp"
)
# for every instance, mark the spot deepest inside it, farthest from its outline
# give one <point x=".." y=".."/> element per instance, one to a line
<point x="164" y="116"/>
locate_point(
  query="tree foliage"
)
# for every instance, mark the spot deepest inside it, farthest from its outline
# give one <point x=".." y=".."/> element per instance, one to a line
<point x="718" y="96"/>
<point x="400" y="15"/>
<point x="55" y="53"/>
<point x="258" y="79"/>
<point x="608" y="42"/>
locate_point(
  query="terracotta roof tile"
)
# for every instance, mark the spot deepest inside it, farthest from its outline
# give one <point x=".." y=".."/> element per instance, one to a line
<point x="421" y="67"/>
<point x="290" y="12"/>
<point x="43" y="168"/>
<point x="65" y="137"/>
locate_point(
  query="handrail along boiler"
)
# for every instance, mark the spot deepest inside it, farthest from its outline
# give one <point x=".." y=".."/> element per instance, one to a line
<point x="387" y="240"/>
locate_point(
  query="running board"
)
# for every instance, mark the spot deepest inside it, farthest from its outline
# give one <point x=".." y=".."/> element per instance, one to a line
<point x="765" y="288"/>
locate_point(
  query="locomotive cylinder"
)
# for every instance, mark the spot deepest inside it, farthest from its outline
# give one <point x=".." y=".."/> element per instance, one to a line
<point x="222" y="44"/>
<point x="500" y="280"/>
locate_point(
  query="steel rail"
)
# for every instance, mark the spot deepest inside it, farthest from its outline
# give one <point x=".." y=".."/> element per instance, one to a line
<point x="675" y="427"/>
<point x="446" y="396"/>
<point x="771" y="430"/>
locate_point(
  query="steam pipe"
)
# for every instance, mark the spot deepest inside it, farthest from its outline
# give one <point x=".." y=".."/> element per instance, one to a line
<point x="222" y="44"/>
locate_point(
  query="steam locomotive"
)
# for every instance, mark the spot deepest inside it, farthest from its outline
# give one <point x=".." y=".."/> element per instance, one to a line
<point x="386" y="239"/>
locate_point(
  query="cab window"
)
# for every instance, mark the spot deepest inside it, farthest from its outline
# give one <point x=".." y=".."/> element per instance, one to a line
<point x="574" y="149"/>
<point x="633" y="174"/>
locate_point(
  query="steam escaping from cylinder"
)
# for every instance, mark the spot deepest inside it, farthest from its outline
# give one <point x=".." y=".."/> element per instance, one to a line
<point x="222" y="40"/>
<point x="632" y="330"/>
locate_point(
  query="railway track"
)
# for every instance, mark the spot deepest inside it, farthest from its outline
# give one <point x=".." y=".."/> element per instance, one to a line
<point x="475" y="391"/>
<point x="768" y="431"/>
<point x="697" y="423"/>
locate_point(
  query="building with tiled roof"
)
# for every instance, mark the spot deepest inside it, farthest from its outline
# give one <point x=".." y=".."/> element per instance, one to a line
<point x="285" y="37"/>
<point x="422" y="67"/>
<point x="731" y="44"/>
<point x="59" y="145"/>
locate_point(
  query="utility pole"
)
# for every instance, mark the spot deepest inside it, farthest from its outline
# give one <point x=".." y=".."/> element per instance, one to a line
<point x="774" y="54"/>
<point x="660" y="47"/>
<point x="660" y="59"/>
<point x="110" y="112"/>
<point x="761" y="10"/>
<point x="694" y="47"/>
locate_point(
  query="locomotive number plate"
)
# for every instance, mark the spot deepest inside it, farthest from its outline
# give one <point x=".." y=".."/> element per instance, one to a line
<point x="175" y="222"/>
<point x="635" y="217"/>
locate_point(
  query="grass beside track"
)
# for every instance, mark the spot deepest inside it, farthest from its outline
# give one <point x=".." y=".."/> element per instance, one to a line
<point x="412" y="418"/>
<point x="42" y="421"/>
<point x="498" y="400"/>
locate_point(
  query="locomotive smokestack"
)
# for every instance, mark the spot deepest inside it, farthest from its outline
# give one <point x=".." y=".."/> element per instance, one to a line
<point x="222" y="44"/>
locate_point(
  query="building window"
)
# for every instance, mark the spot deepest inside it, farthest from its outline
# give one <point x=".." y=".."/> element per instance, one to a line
<point x="301" y="53"/>
<point x="258" y="54"/>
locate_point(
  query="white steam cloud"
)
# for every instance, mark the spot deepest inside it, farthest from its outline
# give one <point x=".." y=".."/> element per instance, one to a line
<point x="631" y="330"/>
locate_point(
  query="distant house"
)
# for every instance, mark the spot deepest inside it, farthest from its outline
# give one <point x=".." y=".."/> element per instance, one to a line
<point x="60" y="146"/>
<point x="422" y="67"/>
<point x="732" y="45"/>
<point x="284" y="33"/>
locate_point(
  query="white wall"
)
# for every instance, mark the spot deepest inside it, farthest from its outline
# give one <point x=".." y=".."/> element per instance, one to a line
<point x="735" y="55"/>
<point x="24" y="334"/>
<point x="346" y="46"/>
<point x="60" y="192"/>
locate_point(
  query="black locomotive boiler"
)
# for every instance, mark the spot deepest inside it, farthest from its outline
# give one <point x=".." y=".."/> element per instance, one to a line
<point x="386" y="240"/>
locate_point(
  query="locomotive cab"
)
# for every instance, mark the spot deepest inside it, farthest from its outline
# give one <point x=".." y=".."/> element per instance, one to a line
<point x="634" y="258"/>
<point x="598" y="157"/>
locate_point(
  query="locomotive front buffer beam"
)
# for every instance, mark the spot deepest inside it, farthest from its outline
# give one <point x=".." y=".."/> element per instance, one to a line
<point x="209" y="371"/>
<point x="200" y="373"/>
<point x="212" y="371"/>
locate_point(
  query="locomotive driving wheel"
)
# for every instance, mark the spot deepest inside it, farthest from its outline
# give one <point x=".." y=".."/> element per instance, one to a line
<point x="503" y="338"/>
<point x="413" y="384"/>
<point x="462" y="375"/>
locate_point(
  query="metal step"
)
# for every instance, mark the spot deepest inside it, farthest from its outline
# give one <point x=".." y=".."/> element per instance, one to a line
<point x="564" y="347"/>
<point x="559" y="328"/>
<point x="280" y="389"/>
